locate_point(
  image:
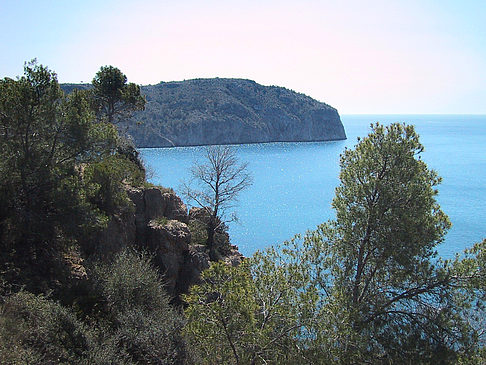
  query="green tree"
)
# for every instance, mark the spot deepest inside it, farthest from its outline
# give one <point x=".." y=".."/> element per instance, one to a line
<point x="368" y="285"/>
<point x="114" y="99"/>
<point x="250" y="314"/>
<point x="45" y="139"/>
<point x="470" y="271"/>
<point x="381" y="262"/>
<point x="220" y="180"/>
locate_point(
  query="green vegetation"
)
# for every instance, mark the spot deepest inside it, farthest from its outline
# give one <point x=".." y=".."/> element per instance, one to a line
<point x="128" y="320"/>
<point x="366" y="287"/>
<point x="251" y="314"/>
<point x="160" y="221"/>
<point x="363" y="288"/>
<point x="46" y="139"/>
<point x="131" y="303"/>
<point x="63" y="174"/>
<point x="114" y="99"/>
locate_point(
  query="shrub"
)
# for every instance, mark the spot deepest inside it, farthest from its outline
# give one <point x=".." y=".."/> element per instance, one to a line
<point x="35" y="330"/>
<point x="135" y="311"/>
<point x="160" y="221"/>
<point x="107" y="178"/>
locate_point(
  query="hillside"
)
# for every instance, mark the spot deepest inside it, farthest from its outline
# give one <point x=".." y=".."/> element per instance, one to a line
<point x="227" y="111"/>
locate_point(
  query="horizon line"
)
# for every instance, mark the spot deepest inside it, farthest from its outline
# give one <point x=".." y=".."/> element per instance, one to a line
<point x="414" y="114"/>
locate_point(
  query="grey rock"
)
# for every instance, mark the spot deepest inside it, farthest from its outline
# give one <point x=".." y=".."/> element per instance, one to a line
<point x="174" y="207"/>
<point x="227" y="111"/>
<point x="155" y="204"/>
<point x="119" y="233"/>
<point x="169" y="242"/>
<point x="158" y="223"/>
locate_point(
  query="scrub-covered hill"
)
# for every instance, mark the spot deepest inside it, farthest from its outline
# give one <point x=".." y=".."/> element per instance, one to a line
<point x="227" y="111"/>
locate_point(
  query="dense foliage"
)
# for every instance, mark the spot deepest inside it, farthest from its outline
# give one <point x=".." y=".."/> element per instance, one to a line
<point x="127" y="320"/>
<point x="45" y="141"/>
<point x="112" y="97"/>
<point x="63" y="172"/>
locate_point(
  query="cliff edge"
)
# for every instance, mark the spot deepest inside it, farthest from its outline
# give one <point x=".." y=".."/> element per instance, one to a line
<point x="160" y="224"/>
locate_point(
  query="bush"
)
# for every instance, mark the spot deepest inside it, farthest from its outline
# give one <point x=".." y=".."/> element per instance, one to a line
<point x="35" y="330"/>
<point x="134" y="309"/>
<point x="106" y="179"/>
<point x="160" y="221"/>
<point x="128" y="320"/>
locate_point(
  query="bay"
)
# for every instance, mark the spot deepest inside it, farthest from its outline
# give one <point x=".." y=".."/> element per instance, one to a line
<point x="294" y="182"/>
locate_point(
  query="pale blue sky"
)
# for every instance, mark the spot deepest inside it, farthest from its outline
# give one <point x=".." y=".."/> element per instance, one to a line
<point x="375" y="56"/>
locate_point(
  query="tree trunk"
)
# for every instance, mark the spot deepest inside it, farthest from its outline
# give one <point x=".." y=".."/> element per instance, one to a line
<point x="211" y="227"/>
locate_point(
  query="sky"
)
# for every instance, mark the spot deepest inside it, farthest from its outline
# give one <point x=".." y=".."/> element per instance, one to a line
<point x="373" y="56"/>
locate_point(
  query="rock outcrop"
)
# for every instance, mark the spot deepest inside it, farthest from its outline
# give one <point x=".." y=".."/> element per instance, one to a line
<point x="169" y="241"/>
<point x="158" y="223"/>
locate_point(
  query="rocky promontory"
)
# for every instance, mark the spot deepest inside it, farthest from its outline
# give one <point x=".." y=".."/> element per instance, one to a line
<point x="227" y="111"/>
<point x="230" y="111"/>
<point x="160" y="224"/>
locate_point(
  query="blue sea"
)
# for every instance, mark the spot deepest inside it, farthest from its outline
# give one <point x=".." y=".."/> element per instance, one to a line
<point x="294" y="182"/>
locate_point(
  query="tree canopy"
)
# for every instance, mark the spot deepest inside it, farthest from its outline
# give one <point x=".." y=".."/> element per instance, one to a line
<point x="63" y="178"/>
<point x="388" y="224"/>
<point x="114" y="98"/>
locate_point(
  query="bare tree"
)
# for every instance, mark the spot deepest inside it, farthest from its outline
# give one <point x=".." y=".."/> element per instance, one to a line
<point x="219" y="180"/>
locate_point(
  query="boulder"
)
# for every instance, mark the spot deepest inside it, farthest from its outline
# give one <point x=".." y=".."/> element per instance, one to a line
<point x="234" y="257"/>
<point x="174" y="207"/>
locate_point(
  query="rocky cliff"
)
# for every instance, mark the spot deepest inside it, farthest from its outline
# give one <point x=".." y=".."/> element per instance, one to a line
<point x="159" y="223"/>
<point x="230" y="111"/>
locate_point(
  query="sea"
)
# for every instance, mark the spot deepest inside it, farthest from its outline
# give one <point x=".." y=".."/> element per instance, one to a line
<point x="294" y="182"/>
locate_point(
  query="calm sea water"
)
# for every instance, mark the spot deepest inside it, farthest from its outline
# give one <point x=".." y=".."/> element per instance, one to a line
<point x="294" y="182"/>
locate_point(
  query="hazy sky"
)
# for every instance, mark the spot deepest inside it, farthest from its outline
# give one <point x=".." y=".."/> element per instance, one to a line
<point x="360" y="56"/>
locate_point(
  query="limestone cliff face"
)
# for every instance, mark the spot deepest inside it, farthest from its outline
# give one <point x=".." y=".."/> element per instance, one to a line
<point x="230" y="111"/>
<point x="159" y="224"/>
